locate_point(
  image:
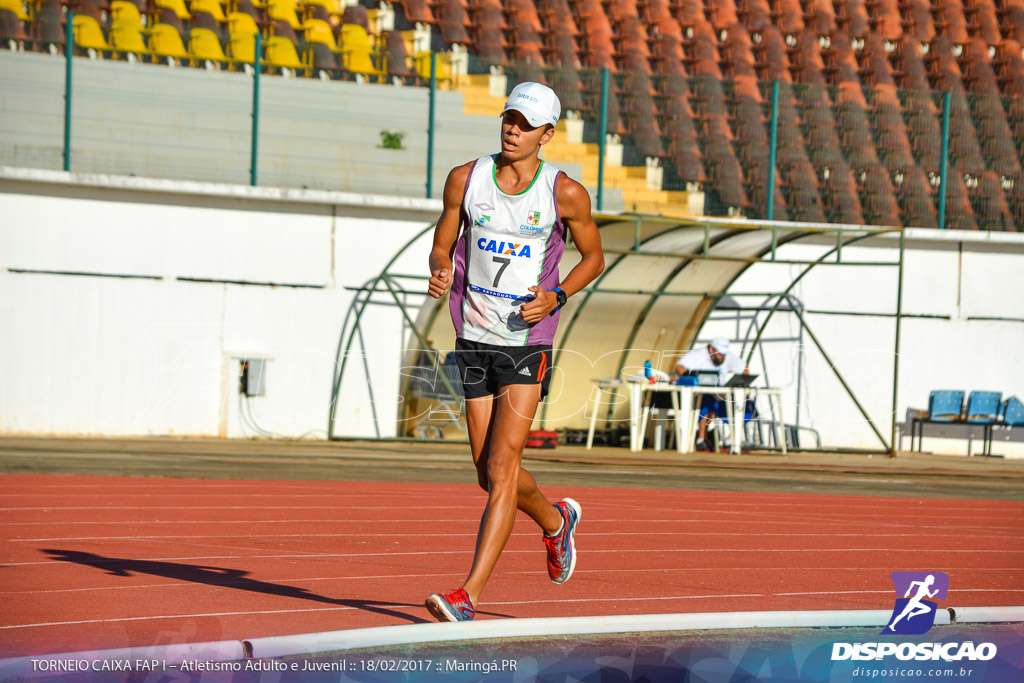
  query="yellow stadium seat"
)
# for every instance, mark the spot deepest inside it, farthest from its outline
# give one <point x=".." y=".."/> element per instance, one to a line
<point x="126" y="37"/>
<point x="165" y="41"/>
<point x="211" y="7"/>
<point x="319" y="31"/>
<point x="204" y="46"/>
<point x="240" y="23"/>
<point x="356" y="53"/>
<point x="443" y="72"/>
<point x="176" y="6"/>
<point x="242" y="47"/>
<point x="282" y="55"/>
<point x="122" y="12"/>
<point x="88" y="33"/>
<point x="332" y="6"/>
<point x="285" y="11"/>
<point x="16" y="6"/>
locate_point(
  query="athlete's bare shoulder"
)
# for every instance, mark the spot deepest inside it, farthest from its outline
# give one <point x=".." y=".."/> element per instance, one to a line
<point x="573" y="198"/>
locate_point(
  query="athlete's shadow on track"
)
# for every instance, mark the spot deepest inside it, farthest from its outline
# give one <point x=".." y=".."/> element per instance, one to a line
<point x="225" y="578"/>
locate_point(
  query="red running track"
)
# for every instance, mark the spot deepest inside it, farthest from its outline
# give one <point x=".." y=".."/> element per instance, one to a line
<point x="106" y="562"/>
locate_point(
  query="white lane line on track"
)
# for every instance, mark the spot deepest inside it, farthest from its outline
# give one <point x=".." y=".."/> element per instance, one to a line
<point x="470" y="551"/>
<point x="889" y="592"/>
<point x="531" y="572"/>
<point x="471" y="530"/>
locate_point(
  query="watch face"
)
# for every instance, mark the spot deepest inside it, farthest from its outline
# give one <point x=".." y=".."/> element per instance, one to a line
<point x="562" y="298"/>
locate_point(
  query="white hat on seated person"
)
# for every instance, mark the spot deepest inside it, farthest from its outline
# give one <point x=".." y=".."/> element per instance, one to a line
<point x="720" y="344"/>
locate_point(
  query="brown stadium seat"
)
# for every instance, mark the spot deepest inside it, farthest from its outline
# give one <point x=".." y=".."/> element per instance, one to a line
<point x="416" y="11"/>
<point x="839" y="189"/>
<point x="725" y="174"/>
<point x="855" y="134"/>
<point x="891" y="141"/>
<point x="453" y="16"/>
<point x="1012" y="22"/>
<point x="820" y="17"/>
<point x="1015" y="198"/>
<point x="852" y="18"/>
<point x="991" y="210"/>
<point x="562" y="49"/>
<point x="982" y="21"/>
<point x="565" y="81"/>
<point x="950" y="21"/>
<point x="722" y="14"/>
<point x="886" y="21"/>
<point x="689" y="13"/>
<point x="738" y="56"/>
<point x="667" y="56"/>
<point x="1009" y="67"/>
<point x="247" y="7"/>
<point x="877" y="199"/>
<point x="822" y="137"/>
<point x="964" y="149"/>
<point x="924" y="130"/>
<point x="789" y="17"/>
<point x="87" y="7"/>
<point x="918" y="21"/>
<point x="910" y="71"/>
<point x="959" y="213"/>
<point x="559" y="15"/>
<point x="488" y="31"/>
<point x="641" y="112"/>
<point x="807" y="64"/>
<point x="48" y="28"/>
<point x="803" y="200"/>
<point x="755" y="14"/>
<point x="522" y="12"/>
<point x="397" y="56"/>
<point x="322" y="58"/>
<point x="702" y="55"/>
<point x="916" y="198"/>
<point x="771" y="60"/>
<point x="525" y="44"/>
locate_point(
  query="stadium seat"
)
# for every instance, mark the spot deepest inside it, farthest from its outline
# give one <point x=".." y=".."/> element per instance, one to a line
<point x="877" y="199"/>
<point x="88" y="34"/>
<point x="15" y="7"/>
<point x="918" y="21"/>
<point x="453" y="17"/>
<point x="488" y="34"/>
<point x="319" y="31"/>
<point x="839" y="189"/>
<point x="916" y="199"/>
<point x="852" y="18"/>
<point x="242" y="47"/>
<point x="417" y="11"/>
<point x="771" y="60"/>
<point x="357" y="56"/>
<point x="12" y="30"/>
<point x="991" y="210"/>
<point x="565" y="81"/>
<point x="982" y="21"/>
<point x="165" y="42"/>
<point x="126" y="38"/>
<point x="726" y="177"/>
<point x="280" y="54"/>
<point x="87" y="8"/>
<point x="124" y="12"/>
<point x="959" y="214"/>
<point x="800" y="188"/>
<point x="397" y="56"/>
<point x="211" y="7"/>
<point x="286" y="11"/>
<point x="48" y="29"/>
<point x="244" y="7"/>
<point x="240" y="23"/>
<point x="789" y="17"/>
<point x="205" y="48"/>
<point x="176" y="6"/>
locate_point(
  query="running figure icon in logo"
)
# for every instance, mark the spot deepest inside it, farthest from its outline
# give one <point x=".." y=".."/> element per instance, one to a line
<point x="923" y="585"/>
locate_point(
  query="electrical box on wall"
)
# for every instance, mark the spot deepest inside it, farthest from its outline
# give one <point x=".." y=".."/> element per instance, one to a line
<point x="253" y="377"/>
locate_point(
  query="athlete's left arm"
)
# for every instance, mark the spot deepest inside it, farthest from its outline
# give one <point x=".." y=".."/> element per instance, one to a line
<point x="574" y="207"/>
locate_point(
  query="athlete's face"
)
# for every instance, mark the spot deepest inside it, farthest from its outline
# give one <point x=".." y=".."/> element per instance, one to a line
<point x="520" y="140"/>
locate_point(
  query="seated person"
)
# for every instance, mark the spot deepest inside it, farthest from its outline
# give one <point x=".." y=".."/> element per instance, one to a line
<point x="715" y="356"/>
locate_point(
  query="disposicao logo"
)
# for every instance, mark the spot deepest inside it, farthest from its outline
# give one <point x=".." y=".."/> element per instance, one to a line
<point x="916" y="595"/>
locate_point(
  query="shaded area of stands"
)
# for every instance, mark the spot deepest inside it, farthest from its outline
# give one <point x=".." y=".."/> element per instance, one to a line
<point x="859" y="93"/>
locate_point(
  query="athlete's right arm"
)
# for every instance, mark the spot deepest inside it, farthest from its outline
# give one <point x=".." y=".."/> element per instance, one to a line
<point x="447" y="231"/>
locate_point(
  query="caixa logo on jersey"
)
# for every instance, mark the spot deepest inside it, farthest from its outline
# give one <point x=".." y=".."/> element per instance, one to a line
<point x="503" y="248"/>
<point x="916" y="601"/>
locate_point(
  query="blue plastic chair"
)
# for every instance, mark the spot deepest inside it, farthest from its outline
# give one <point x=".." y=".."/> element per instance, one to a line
<point x="944" y="405"/>
<point x="1012" y="412"/>
<point x="983" y="409"/>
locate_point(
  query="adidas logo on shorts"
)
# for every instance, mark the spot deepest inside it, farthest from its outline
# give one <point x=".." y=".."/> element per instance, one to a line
<point x="525" y="371"/>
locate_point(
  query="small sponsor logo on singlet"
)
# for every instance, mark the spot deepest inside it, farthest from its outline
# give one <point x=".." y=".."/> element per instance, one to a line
<point x="484" y="206"/>
<point x="482" y="219"/>
<point x="525" y="371"/>
<point x="532" y="225"/>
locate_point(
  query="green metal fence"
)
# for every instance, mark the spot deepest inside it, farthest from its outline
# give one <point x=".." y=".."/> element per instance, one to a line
<point x="774" y="150"/>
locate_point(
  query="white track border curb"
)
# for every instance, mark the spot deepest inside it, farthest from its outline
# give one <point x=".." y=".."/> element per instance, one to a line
<point x="410" y="634"/>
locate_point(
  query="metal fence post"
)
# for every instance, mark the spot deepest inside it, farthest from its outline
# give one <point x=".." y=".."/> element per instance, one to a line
<point x="944" y="167"/>
<point x="430" y="125"/>
<point x="601" y="141"/>
<point x="772" y="141"/>
<point x="69" y="50"/>
<point x="254" y="145"/>
<point x="893" y="450"/>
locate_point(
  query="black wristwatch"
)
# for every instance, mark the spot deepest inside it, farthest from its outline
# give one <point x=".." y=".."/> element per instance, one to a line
<point x="560" y="296"/>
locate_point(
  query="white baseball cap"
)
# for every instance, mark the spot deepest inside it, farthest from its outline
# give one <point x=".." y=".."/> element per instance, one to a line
<point x="720" y="344"/>
<point x="537" y="102"/>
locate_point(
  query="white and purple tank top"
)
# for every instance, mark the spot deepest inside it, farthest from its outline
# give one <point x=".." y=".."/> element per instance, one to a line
<point x="509" y="243"/>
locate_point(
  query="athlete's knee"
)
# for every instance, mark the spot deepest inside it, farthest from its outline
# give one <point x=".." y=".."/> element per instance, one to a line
<point x="502" y="471"/>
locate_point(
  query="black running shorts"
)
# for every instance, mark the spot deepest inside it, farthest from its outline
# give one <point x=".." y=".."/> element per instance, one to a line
<point x="485" y="367"/>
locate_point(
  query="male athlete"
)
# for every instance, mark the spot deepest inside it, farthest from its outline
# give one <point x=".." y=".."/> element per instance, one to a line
<point x="512" y="210"/>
